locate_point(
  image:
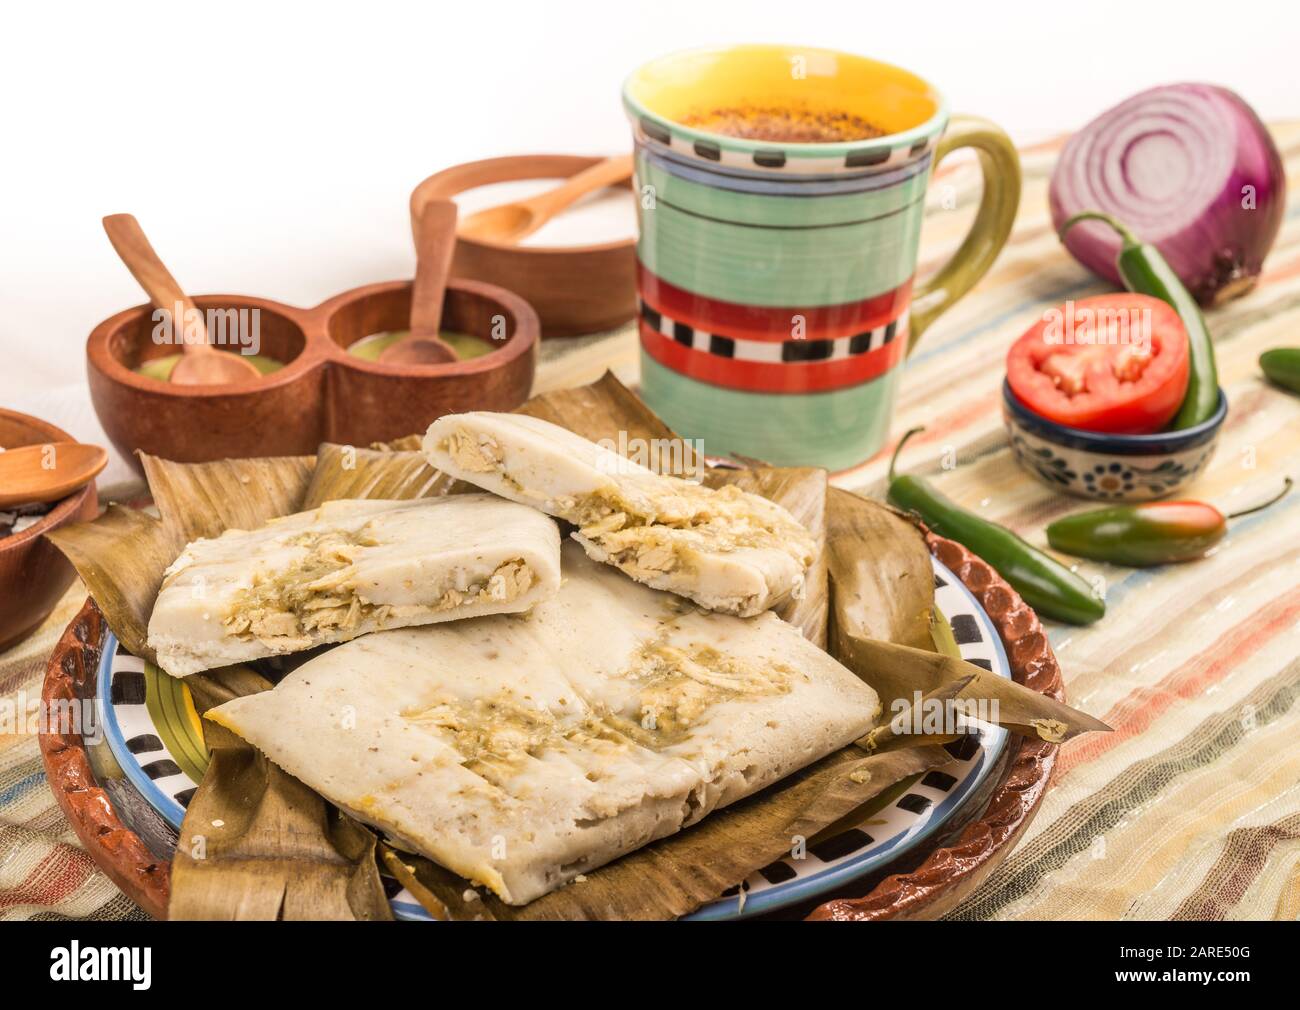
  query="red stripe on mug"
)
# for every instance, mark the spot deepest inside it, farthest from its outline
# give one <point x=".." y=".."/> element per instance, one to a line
<point x="771" y="377"/>
<point x="766" y="323"/>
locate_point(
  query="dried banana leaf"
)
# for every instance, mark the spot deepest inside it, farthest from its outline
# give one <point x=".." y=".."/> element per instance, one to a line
<point x="896" y="732"/>
<point x="121" y="557"/>
<point x="676" y="875"/>
<point x="882" y="583"/>
<point x="396" y="864"/>
<point x="343" y="471"/>
<point x="206" y="499"/>
<point x="407" y="443"/>
<point x="941" y="636"/>
<point x="898" y="672"/>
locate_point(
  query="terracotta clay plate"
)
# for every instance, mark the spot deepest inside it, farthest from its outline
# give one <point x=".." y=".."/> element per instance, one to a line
<point x="125" y="792"/>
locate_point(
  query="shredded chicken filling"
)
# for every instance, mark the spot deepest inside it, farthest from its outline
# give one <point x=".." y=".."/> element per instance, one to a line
<point x="317" y="594"/>
<point x="477" y="454"/>
<point x="680" y="686"/>
<point x="676" y="689"/>
<point x="685" y="523"/>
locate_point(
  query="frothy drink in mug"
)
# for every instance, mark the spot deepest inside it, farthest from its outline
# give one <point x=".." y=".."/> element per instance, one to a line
<point x="781" y="193"/>
<point x="784" y="125"/>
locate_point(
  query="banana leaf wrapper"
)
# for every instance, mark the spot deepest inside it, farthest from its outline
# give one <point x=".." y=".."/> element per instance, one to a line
<point x="883" y="620"/>
<point x="283" y="852"/>
<point x="881" y="579"/>
<point x="397" y="475"/>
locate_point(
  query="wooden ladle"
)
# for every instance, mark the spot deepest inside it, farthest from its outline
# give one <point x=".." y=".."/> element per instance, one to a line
<point x="512" y="222"/>
<point x="434" y="247"/>
<point x="201" y="364"/>
<point x="47" y="472"/>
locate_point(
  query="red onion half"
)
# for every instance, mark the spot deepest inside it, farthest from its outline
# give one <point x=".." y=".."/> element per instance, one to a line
<point x="1190" y="169"/>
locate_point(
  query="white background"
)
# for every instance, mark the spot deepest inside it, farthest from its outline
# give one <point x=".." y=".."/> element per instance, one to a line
<point x="269" y="149"/>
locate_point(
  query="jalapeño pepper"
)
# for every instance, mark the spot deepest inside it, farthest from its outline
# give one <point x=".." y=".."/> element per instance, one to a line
<point x="1155" y="533"/>
<point x="1282" y="365"/>
<point x="1146" y="272"/>
<point x="1044" y="583"/>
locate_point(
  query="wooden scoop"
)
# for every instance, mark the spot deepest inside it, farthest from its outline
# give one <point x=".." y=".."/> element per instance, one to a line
<point x="434" y="248"/>
<point x="47" y="472"/>
<point x="511" y="222"/>
<point x="201" y="364"/>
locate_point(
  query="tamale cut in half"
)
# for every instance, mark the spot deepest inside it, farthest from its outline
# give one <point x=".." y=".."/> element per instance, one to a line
<point x="346" y="569"/>
<point x="725" y="548"/>
<point x="520" y="751"/>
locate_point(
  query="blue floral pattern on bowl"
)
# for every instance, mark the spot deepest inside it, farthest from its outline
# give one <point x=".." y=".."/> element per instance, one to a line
<point x="1109" y="467"/>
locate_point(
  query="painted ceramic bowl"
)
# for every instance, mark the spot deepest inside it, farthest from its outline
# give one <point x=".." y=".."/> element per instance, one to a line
<point x="1106" y="467"/>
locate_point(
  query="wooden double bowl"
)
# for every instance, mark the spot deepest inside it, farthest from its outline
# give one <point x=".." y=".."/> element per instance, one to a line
<point x="322" y="393"/>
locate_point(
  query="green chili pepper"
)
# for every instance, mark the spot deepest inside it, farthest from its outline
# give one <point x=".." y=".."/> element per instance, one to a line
<point x="1045" y="584"/>
<point x="1282" y="365"/>
<point x="1146" y="272"/>
<point x="1155" y="533"/>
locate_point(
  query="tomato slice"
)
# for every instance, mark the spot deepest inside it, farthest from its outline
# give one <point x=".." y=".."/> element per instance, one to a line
<point x="1114" y="363"/>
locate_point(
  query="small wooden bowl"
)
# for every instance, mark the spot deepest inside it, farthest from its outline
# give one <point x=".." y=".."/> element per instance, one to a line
<point x="34" y="574"/>
<point x="575" y="289"/>
<point x="279" y="415"/>
<point x="372" y="402"/>
<point x="322" y="393"/>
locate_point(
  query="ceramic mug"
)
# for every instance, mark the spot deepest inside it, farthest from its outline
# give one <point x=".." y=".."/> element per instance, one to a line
<point x="776" y="278"/>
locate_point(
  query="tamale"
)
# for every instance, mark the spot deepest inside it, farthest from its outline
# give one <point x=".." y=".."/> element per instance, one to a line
<point x="522" y="751"/>
<point x="677" y="874"/>
<point x="802" y="492"/>
<point x="346" y="569"/>
<point x="292" y="858"/>
<point x="121" y="556"/>
<point x="726" y="549"/>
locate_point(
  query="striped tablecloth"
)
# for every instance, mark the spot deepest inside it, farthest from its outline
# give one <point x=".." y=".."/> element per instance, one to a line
<point x="1191" y="808"/>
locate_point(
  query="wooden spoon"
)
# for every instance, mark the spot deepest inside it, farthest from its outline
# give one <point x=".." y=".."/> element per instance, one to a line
<point x="201" y="364"/>
<point x="434" y="248"/>
<point x="511" y="222"/>
<point x="47" y="472"/>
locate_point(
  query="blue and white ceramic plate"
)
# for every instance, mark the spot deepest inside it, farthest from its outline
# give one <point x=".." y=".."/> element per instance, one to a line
<point x="156" y="738"/>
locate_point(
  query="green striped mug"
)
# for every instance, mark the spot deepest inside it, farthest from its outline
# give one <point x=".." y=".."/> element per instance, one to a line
<point x="775" y="276"/>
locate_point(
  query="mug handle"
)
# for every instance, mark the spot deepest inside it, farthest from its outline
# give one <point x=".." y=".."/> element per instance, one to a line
<point x="1000" y="165"/>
